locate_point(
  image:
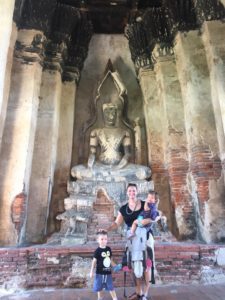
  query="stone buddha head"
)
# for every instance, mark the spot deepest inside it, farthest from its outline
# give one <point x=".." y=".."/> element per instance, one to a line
<point x="110" y="113"/>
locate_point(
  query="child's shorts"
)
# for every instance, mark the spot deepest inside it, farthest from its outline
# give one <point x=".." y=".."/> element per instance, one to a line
<point x="103" y="282"/>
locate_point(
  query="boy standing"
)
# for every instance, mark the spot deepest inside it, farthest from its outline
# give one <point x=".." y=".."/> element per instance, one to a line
<point x="102" y="260"/>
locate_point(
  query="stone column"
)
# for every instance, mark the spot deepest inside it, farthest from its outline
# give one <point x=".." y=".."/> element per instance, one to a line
<point x="153" y="121"/>
<point x="6" y="43"/>
<point x="77" y="50"/>
<point x="64" y="145"/>
<point x="205" y="178"/>
<point x="19" y="132"/>
<point x="213" y="34"/>
<point x="45" y="150"/>
<point x="149" y="90"/>
<point x="174" y="141"/>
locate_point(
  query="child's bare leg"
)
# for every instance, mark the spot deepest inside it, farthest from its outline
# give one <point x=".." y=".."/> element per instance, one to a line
<point x="100" y="295"/>
<point x="113" y="295"/>
<point x="132" y="231"/>
<point x="133" y="228"/>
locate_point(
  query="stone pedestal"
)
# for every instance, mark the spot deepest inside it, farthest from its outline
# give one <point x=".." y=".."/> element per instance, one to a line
<point x="70" y="241"/>
<point x="115" y="190"/>
<point x="82" y="197"/>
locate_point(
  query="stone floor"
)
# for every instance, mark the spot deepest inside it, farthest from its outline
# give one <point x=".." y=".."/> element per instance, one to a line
<point x="171" y="292"/>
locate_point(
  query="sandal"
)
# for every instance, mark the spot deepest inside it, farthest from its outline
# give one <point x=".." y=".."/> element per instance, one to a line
<point x="132" y="296"/>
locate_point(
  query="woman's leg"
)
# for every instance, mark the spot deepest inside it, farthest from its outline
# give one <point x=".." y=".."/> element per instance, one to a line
<point x="151" y="243"/>
<point x="138" y="289"/>
<point x="138" y="286"/>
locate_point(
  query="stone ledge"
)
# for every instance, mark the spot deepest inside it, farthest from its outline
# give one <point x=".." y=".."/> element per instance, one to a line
<point x="57" y="266"/>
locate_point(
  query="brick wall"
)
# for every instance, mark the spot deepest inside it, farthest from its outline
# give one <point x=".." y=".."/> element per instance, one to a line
<point x="178" y="168"/>
<point x="35" y="267"/>
<point x="188" y="193"/>
<point x="204" y="167"/>
<point x="18" y="211"/>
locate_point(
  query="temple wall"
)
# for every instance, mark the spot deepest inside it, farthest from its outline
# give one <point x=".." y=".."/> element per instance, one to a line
<point x="44" y="156"/>
<point x="205" y="168"/>
<point x="180" y="104"/>
<point x="34" y="141"/>
<point x="101" y="49"/>
<point x="153" y="112"/>
<point x="174" y="141"/>
<point x="18" y="136"/>
<point x="7" y="82"/>
<point x="215" y="55"/>
<point x="64" y="153"/>
<point x="185" y="132"/>
<point x="7" y="41"/>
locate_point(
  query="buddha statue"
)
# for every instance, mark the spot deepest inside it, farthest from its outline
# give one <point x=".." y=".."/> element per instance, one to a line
<point x="113" y="144"/>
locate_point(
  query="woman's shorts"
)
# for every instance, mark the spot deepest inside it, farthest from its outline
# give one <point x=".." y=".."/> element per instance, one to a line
<point x="103" y="282"/>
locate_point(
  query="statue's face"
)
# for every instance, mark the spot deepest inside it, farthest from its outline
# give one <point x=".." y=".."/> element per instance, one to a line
<point x="110" y="114"/>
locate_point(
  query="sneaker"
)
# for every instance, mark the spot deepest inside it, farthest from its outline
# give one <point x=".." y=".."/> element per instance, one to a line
<point x="146" y="297"/>
<point x="131" y="235"/>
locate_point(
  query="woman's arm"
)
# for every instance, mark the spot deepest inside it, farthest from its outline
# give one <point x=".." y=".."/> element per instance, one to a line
<point x="118" y="222"/>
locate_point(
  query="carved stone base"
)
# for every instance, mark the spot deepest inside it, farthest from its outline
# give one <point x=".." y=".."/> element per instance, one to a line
<point x="86" y="190"/>
<point x="73" y="240"/>
<point x="78" y="214"/>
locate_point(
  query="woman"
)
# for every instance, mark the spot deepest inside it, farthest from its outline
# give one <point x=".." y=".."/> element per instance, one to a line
<point x="127" y="214"/>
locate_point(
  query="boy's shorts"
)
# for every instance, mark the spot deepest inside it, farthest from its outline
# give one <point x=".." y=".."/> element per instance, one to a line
<point x="102" y="282"/>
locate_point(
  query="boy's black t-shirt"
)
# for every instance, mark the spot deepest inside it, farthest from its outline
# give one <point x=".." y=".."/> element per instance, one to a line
<point x="103" y="256"/>
<point x="128" y="215"/>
